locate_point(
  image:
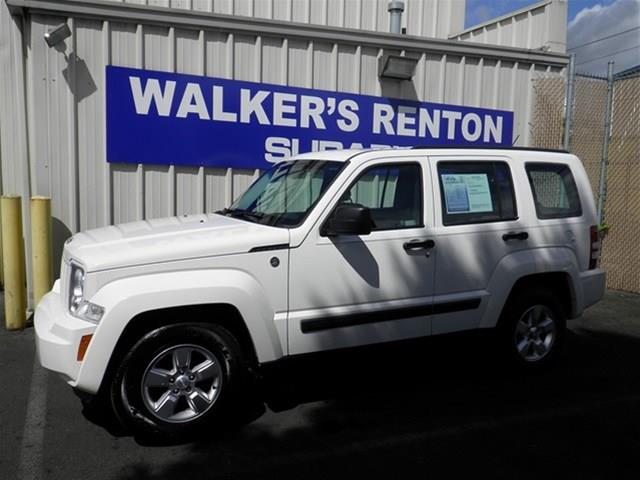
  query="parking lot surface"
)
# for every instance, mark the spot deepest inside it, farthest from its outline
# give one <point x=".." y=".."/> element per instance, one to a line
<point x="441" y="408"/>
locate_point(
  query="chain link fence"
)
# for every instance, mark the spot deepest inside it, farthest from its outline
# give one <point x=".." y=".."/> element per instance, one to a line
<point x="547" y="124"/>
<point x="620" y="255"/>
<point x="621" y="195"/>
<point x="588" y="125"/>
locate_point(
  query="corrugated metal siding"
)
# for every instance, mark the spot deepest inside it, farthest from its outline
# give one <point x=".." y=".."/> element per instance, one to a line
<point x="67" y="137"/>
<point x="66" y="108"/>
<point x="542" y="25"/>
<point x="14" y="149"/>
<point x="428" y="18"/>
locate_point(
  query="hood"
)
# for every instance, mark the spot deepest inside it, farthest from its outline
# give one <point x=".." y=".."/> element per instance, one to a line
<point x="169" y="239"/>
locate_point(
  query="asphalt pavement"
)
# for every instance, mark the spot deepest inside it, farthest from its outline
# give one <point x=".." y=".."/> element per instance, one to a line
<point x="440" y="408"/>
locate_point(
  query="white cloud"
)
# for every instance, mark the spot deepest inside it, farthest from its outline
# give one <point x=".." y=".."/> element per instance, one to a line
<point x="585" y="13"/>
<point x="600" y="21"/>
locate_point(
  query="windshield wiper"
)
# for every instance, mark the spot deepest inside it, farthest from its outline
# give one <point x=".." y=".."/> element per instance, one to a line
<point x="240" y="213"/>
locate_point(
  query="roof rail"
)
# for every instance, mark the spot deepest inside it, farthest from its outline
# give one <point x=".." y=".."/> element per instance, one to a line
<point x="488" y="147"/>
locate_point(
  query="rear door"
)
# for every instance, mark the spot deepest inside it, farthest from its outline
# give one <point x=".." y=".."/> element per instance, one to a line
<point x="477" y="224"/>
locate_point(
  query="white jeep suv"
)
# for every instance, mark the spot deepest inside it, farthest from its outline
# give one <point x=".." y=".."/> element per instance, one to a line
<point x="169" y="319"/>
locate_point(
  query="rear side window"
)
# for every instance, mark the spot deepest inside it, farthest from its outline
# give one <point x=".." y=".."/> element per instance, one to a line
<point x="554" y="190"/>
<point x="476" y="192"/>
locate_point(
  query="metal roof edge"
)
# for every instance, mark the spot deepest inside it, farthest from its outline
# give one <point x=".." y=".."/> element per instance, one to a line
<point x="501" y="18"/>
<point x="253" y="26"/>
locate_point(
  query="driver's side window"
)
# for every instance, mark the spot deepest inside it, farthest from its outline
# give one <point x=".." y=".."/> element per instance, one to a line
<point x="393" y="194"/>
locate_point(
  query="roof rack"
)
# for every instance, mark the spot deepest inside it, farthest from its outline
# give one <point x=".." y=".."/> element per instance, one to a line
<point x="489" y="147"/>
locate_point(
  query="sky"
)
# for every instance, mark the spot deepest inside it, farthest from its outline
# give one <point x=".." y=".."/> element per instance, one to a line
<point x="588" y="20"/>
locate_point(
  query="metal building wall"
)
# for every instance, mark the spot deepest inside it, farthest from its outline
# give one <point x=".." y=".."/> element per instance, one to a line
<point x="542" y="25"/>
<point x="428" y="18"/>
<point x="62" y="154"/>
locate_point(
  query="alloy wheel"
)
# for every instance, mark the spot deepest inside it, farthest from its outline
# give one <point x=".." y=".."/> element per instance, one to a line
<point x="182" y="383"/>
<point x="535" y="333"/>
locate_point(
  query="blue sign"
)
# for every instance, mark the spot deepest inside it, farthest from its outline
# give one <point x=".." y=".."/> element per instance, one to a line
<point x="174" y="119"/>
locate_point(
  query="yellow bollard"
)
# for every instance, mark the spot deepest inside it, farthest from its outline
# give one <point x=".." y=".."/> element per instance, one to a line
<point x="41" y="247"/>
<point x="15" y="289"/>
<point x="1" y="264"/>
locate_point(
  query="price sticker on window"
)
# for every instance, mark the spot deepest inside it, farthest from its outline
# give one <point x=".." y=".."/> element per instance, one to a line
<point x="467" y="193"/>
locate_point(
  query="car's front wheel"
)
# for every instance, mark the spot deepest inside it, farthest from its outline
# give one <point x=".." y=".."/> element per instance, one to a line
<point x="178" y="379"/>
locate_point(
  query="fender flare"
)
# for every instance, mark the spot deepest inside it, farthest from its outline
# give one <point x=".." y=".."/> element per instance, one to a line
<point x="520" y="264"/>
<point x="127" y="298"/>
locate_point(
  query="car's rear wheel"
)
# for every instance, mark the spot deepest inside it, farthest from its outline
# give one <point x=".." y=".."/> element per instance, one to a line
<point x="532" y="328"/>
<point x="178" y="379"/>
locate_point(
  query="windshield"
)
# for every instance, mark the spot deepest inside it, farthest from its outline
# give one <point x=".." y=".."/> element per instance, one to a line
<point x="285" y="194"/>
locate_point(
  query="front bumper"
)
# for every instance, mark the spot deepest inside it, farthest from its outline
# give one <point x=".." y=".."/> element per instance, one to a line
<point x="58" y="336"/>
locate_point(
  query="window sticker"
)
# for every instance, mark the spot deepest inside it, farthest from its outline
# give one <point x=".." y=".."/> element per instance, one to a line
<point x="467" y="193"/>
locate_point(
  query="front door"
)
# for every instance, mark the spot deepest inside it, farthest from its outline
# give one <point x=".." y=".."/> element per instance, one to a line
<point x="351" y="290"/>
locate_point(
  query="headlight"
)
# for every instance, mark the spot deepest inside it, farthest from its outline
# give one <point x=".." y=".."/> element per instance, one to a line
<point x="78" y="306"/>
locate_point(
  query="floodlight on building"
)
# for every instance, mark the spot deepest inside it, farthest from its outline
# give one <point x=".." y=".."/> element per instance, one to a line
<point x="57" y="35"/>
<point x="395" y="66"/>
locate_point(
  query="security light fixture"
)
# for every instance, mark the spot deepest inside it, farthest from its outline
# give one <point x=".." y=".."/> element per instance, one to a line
<point x="395" y="66"/>
<point x="57" y="35"/>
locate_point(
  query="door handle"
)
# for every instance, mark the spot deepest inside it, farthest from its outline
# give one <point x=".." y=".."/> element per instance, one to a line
<point x="515" y="236"/>
<point x="417" y="245"/>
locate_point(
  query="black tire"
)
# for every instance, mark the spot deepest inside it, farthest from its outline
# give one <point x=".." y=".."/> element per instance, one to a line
<point x="540" y="344"/>
<point x="132" y="397"/>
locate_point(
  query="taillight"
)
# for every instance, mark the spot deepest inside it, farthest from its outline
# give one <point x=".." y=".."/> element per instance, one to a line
<point x="594" y="254"/>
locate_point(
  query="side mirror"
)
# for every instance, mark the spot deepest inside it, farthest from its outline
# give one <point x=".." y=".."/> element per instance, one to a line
<point x="348" y="219"/>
